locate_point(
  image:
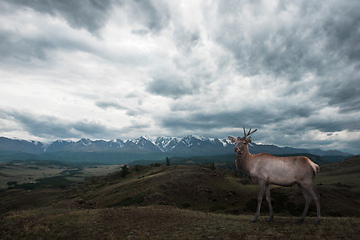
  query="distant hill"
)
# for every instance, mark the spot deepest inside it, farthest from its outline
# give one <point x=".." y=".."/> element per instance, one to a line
<point x="347" y="166"/>
<point x="199" y="188"/>
<point x="229" y="159"/>
<point x="15" y="145"/>
<point x="144" y="148"/>
<point x="191" y="160"/>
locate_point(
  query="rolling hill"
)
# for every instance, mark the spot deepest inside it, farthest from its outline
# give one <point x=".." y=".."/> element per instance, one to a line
<point x="156" y="200"/>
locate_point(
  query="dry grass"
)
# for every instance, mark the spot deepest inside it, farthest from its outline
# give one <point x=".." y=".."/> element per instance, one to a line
<point x="341" y="177"/>
<point x="164" y="222"/>
<point x="202" y="189"/>
<point x="187" y="195"/>
<point x="18" y="199"/>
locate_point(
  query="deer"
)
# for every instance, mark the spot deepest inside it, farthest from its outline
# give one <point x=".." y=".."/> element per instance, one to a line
<point x="265" y="169"/>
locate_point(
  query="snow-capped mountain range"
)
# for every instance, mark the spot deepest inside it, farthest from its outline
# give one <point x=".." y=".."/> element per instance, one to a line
<point x="143" y="143"/>
<point x="161" y="144"/>
<point x="186" y="146"/>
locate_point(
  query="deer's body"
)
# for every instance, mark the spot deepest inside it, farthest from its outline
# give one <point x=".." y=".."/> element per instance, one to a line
<point x="265" y="169"/>
<point x="283" y="171"/>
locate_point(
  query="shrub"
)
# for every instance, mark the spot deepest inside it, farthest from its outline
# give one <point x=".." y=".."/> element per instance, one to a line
<point x="212" y="166"/>
<point x="11" y="183"/>
<point x="185" y="205"/>
<point x="124" y="171"/>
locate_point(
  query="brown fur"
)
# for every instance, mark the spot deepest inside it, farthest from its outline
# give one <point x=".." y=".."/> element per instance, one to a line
<point x="265" y="169"/>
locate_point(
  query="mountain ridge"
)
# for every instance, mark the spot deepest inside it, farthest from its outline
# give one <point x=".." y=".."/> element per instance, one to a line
<point x="189" y="145"/>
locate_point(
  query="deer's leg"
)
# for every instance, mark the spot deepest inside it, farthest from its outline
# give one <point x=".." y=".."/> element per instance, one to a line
<point x="307" y="199"/>
<point x="309" y="193"/>
<point x="262" y="187"/>
<point x="316" y="197"/>
<point x="268" y="199"/>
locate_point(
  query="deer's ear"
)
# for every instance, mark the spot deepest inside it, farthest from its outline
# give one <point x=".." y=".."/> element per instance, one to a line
<point x="233" y="140"/>
<point x="248" y="140"/>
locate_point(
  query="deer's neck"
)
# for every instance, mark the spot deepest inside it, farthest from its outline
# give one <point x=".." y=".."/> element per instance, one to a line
<point x="244" y="161"/>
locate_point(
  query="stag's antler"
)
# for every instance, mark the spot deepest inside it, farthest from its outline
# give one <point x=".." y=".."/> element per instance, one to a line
<point x="245" y="135"/>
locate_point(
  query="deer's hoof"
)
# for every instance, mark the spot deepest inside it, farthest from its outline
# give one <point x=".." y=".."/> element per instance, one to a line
<point x="317" y="221"/>
<point x="254" y="219"/>
<point x="300" y="220"/>
<point x="270" y="219"/>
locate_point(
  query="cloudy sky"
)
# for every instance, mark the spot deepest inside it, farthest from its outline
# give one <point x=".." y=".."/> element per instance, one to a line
<point x="107" y="69"/>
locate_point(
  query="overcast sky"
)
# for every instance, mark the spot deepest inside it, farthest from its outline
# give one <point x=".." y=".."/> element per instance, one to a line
<point x="107" y="69"/>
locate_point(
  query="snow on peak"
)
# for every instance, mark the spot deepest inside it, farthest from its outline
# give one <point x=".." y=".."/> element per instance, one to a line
<point x="86" y="142"/>
<point x="35" y="142"/>
<point x="225" y="142"/>
<point x="196" y="137"/>
<point x="146" y="138"/>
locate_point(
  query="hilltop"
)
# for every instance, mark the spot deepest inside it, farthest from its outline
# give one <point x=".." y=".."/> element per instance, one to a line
<point x="204" y="189"/>
<point x="177" y="202"/>
<point x="199" y="188"/>
<point x="157" y="199"/>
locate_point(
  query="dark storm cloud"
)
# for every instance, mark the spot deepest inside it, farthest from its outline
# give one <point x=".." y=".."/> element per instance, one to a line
<point x="134" y="112"/>
<point x="52" y="127"/>
<point x="343" y="93"/>
<point x="333" y="125"/>
<point x="14" y="46"/>
<point x="315" y="38"/>
<point x="18" y="48"/>
<point x="106" y="104"/>
<point x="343" y="32"/>
<point x="109" y="104"/>
<point x="252" y="116"/>
<point x="89" y="14"/>
<point x="186" y="40"/>
<point x="90" y="128"/>
<point x="93" y="15"/>
<point x="314" y="41"/>
<point x="43" y="126"/>
<point x="173" y="86"/>
<point x="296" y="65"/>
<point x="141" y="32"/>
<point x="152" y="14"/>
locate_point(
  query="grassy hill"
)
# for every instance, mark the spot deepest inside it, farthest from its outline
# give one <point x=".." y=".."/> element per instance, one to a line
<point x="192" y="160"/>
<point x="220" y="159"/>
<point x="177" y="202"/>
<point x="204" y="189"/>
<point x="341" y="177"/>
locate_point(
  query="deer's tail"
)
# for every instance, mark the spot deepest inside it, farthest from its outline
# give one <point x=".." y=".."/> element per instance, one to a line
<point x="314" y="166"/>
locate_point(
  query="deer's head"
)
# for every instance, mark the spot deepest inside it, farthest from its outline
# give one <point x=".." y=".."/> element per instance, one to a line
<point x="242" y="142"/>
